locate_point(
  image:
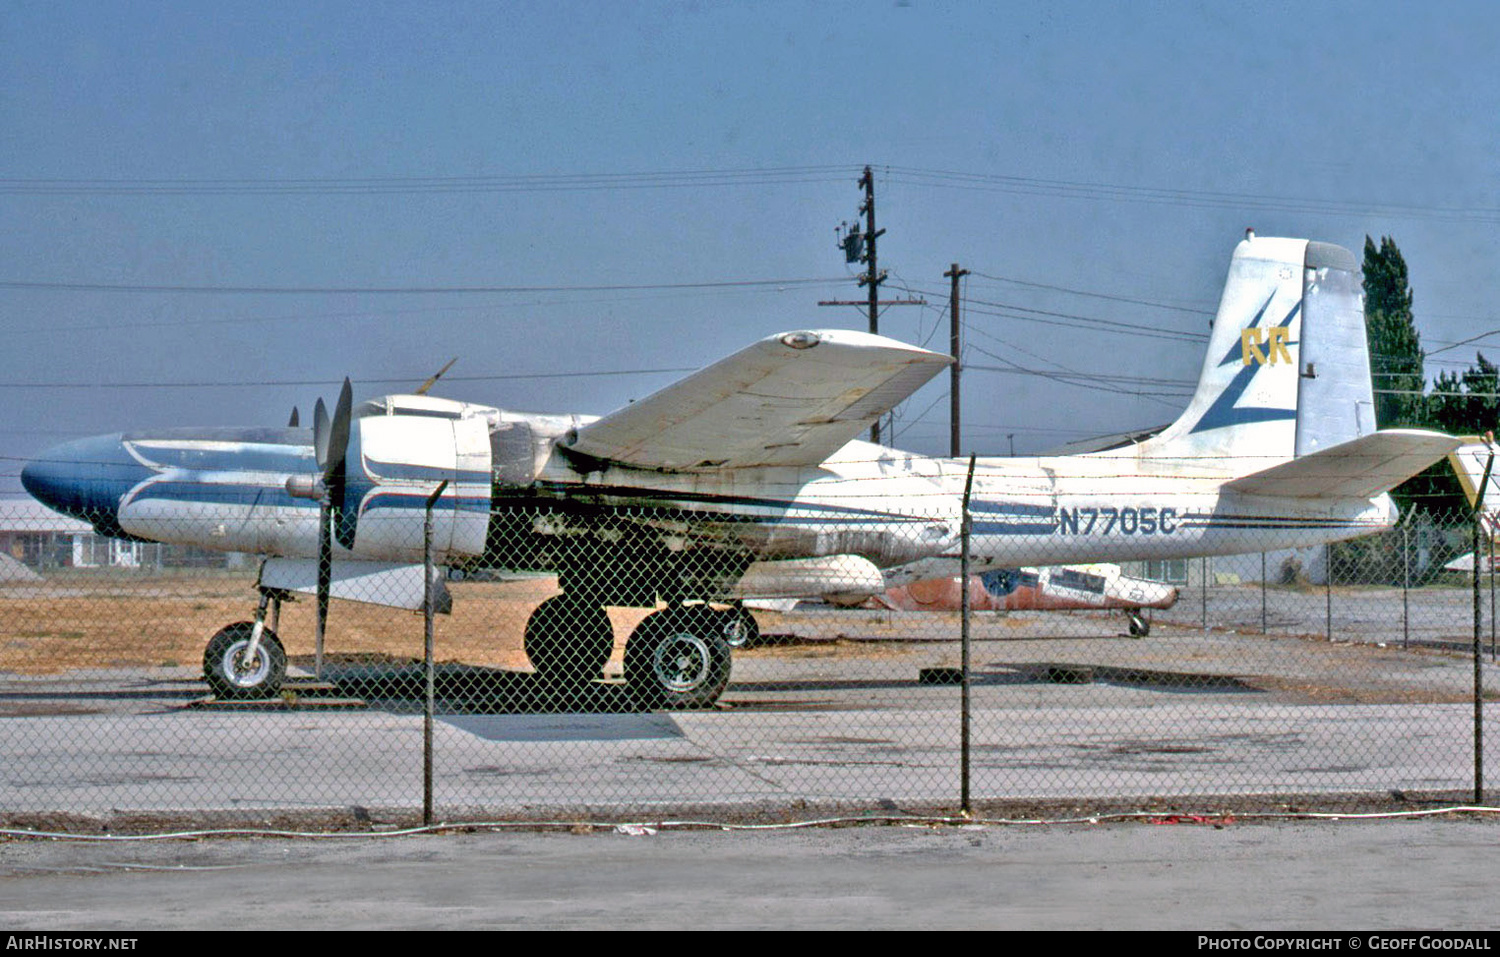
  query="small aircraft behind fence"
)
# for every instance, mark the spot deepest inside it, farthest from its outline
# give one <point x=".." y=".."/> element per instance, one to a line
<point x="747" y="475"/>
<point x="1048" y="588"/>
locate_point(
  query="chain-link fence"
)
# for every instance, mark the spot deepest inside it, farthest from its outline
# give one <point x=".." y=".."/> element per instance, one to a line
<point x="613" y="674"/>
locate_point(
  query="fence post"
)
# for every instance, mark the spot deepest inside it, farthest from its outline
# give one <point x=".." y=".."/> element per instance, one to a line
<point x="1203" y="581"/>
<point x="1327" y="591"/>
<point x="1263" y="593"/>
<point x="1405" y="581"/>
<point x="428" y="669"/>
<point x="964" y="729"/>
<point x="1478" y="677"/>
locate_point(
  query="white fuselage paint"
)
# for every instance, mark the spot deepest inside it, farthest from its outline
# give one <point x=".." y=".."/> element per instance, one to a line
<point x="890" y="507"/>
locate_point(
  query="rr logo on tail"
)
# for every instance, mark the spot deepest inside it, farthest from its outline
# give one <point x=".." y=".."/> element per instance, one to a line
<point x="1251" y="340"/>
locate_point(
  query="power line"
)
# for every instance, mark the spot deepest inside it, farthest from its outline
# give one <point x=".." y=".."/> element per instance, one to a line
<point x="398" y="290"/>
<point x="1079" y="379"/>
<point x="1071" y="376"/>
<point x="261" y="383"/>
<point x="367" y="186"/>
<point x="376" y="314"/>
<point x="1098" y="295"/>
<point x="1079" y="189"/>
<point x="1074" y="320"/>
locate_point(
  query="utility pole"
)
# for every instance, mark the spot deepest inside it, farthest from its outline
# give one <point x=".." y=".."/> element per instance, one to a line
<point x="860" y="247"/>
<point x="954" y="430"/>
<point x="873" y="277"/>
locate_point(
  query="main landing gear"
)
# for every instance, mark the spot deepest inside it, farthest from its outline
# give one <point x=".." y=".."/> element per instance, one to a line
<point x="245" y="659"/>
<point x="678" y="657"/>
<point x="1140" y="625"/>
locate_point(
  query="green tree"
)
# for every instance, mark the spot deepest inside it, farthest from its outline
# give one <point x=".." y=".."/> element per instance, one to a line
<point x="1466" y="404"/>
<point x="1391" y="333"/>
<point x="1396" y="360"/>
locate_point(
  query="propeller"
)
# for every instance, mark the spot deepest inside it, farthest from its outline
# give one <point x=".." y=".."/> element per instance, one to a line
<point x="330" y="447"/>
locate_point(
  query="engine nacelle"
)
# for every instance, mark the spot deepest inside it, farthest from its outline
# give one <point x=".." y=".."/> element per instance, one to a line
<point x="400" y="449"/>
<point x="402" y="446"/>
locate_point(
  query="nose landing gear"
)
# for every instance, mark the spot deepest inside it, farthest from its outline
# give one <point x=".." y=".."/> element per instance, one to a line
<point x="246" y="659"/>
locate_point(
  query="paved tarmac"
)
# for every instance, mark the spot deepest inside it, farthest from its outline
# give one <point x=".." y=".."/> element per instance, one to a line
<point x="1427" y="874"/>
<point x="806" y="730"/>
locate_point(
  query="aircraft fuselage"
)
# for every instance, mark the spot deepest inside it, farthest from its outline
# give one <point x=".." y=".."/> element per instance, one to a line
<point x="226" y="489"/>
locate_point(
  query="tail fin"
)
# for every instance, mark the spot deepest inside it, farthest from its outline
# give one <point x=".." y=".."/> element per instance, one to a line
<point x="1287" y="371"/>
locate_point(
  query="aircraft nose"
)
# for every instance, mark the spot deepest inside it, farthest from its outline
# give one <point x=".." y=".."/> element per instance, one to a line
<point x="85" y="479"/>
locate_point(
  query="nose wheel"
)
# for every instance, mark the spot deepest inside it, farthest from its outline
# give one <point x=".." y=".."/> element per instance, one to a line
<point x="239" y="664"/>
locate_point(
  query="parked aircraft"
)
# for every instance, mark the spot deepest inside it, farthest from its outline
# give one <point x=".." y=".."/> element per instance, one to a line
<point x="1048" y="588"/>
<point x="749" y="469"/>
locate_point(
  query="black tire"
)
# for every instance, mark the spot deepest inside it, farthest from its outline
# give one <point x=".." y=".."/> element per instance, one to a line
<point x="568" y="640"/>
<point x="678" y="658"/>
<point x="1139" y="626"/>
<point x="223" y="662"/>
<point x="740" y="628"/>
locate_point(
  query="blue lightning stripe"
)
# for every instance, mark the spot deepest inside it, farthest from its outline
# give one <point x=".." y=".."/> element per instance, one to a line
<point x="1223" y="412"/>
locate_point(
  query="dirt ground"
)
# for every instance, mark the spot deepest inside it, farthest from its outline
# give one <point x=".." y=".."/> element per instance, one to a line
<point x="72" y="623"/>
<point x="166" y="622"/>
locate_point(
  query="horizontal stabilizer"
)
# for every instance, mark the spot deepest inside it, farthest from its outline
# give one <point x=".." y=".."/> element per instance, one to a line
<point x="1470" y="462"/>
<point x="789" y="399"/>
<point x="1360" y="468"/>
<point x="376" y="583"/>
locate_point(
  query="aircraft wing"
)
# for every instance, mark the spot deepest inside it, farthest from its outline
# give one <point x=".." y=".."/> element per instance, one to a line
<point x="1360" y="468"/>
<point x="789" y="399"/>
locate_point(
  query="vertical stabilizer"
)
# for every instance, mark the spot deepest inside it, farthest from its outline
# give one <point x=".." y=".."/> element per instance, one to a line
<point x="1287" y="370"/>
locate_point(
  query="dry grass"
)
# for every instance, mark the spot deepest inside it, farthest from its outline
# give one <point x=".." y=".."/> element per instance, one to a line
<point x="80" y="621"/>
<point x="166" y="622"/>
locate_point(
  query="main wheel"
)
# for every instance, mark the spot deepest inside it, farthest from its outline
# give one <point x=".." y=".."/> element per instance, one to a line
<point x="1139" y="626"/>
<point x="678" y="658"/>
<point x="228" y="672"/>
<point x="568" y="639"/>
<point x="740" y="628"/>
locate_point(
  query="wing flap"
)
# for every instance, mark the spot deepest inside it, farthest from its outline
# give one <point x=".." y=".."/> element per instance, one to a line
<point x="789" y="399"/>
<point x="1360" y="468"/>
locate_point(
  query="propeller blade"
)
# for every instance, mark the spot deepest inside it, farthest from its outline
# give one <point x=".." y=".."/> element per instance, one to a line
<point x="320" y="434"/>
<point x="325" y="580"/>
<point x="335" y="472"/>
<point x="295" y="420"/>
<point x="338" y="436"/>
<point x="422" y="389"/>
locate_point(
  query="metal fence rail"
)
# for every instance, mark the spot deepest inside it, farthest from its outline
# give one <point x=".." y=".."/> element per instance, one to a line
<point x="1341" y="672"/>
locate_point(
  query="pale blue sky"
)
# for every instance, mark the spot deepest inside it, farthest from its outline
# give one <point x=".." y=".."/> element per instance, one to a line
<point x="1167" y="128"/>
